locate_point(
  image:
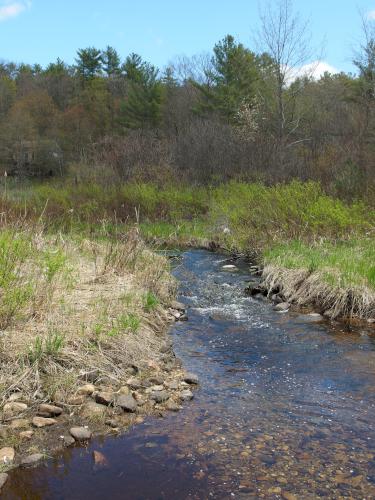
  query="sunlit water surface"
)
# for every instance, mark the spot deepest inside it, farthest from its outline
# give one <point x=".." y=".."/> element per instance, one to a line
<point x="285" y="409"/>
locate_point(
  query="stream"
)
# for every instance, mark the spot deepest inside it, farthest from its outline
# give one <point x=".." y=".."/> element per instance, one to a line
<point x="285" y="409"/>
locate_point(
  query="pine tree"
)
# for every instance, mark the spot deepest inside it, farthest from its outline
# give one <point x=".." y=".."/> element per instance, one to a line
<point x="111" y="62"/>
<point x="89" y="62"/>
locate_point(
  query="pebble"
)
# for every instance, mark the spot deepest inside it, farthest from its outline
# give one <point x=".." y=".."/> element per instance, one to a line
<point x="43" y="422"/>
<point x="80" y="433"/>
<point x="6" y="455"/>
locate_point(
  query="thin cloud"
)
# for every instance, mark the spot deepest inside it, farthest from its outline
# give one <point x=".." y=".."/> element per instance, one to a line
<point x="371" y="15"/>
<point x="12" y="9"/>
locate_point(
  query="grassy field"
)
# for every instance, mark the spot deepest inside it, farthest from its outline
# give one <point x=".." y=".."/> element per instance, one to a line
<point x="294" y="226"/>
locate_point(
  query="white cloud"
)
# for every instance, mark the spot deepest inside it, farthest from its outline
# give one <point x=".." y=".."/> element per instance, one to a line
<point x="315" y="70"/>
<point x="12" y="9"/>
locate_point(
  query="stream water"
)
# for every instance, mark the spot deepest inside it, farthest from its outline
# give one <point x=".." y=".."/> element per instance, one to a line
<point x="285" y="409"/>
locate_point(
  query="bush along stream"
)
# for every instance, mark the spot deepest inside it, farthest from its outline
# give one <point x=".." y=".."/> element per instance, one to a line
<point x="284" y="408"/>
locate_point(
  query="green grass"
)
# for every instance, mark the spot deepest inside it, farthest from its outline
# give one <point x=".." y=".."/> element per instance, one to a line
<point x="344" y="264"/>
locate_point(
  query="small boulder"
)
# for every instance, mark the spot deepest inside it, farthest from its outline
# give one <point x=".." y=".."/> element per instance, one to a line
<point x="191" y="378"/>
<point x="31" y="459"/>
<point x="86" y="390"/>
<point x="76" y="400"/>
<point x="282" y="307"/>
<point x="40" y="422"/>
<point x="80" y="433"/>
<point x="127" y="403"/>
<point x="104" y="398"/>
<point x="186" y="395"/>
<point x="46" y="410"/>
<point x="160" y="396"/>
<point x="3" y="479"/>
<point x="6" y="455"/>
<point x="92" y="408"/>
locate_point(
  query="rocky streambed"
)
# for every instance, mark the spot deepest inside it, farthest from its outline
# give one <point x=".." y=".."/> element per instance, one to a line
<point x="284" y="408"/>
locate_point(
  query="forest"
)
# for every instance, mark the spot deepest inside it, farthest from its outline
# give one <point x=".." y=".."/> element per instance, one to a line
<point x="237" y="113"/>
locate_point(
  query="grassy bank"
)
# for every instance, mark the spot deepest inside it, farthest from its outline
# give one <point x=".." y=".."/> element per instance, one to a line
<point x="83" y="326"/>
<point x="290" y="227"/>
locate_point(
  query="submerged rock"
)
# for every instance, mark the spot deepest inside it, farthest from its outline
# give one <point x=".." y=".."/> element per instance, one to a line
<point x="282" y="307"/>
<point x="3" y="479"/>
<point x="31" y="459"/>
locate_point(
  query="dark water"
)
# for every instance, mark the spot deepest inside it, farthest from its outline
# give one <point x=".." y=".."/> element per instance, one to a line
<point x="286" y="407"/>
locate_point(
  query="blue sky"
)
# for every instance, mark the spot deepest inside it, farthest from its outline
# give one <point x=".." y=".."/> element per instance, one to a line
<point x="42" y="30"/>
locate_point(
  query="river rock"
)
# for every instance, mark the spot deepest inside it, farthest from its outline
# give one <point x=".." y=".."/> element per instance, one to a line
<point x="31" y="459"/>
<point x="16" y="396"/>
<point x="100" y="460"/>
<point x="26" y="434"/>
<point x="124" y="390"/>
<point x="86" y="390"/>
<point x="6" y="455"/>
<point x="282" y="307"/>
<point x="156" y="380"/>
<point x="104" y="398"/>
<point x="172" y="406"/>
<point x="134" y="383"/>
<point x="92" y="408"/>
<point x="13" y="408"/>
<point x="127" y="402"/>
<point x="43" y="422"/>
<point x="80" y="433"/>
<point x="46" y="410"/>
<point x="91" y="376"/>
<point x="76" y="400"/>
<point x="191" y="378"/>
<point x="3" y="479"/>
<point x="173" y="385"/>
<point x="371" y="321"/>
<point x="19" y="423"/>
<point x="159" y="396"/>
<point x="178" y="305"/>
<point x="186" y="395"/>
<point x="229" y="267"/>
<point x="68" y="441"/>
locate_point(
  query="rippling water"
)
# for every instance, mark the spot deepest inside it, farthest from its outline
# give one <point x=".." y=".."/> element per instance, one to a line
<point x="286" y="409"/>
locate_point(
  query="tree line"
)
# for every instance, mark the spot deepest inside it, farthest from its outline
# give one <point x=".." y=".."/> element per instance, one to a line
<point x="235" y="113"/>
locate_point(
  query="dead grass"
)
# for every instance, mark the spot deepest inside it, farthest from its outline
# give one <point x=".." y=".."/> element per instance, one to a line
<point x="305" y="287"/>
<point x="90" y="315"/>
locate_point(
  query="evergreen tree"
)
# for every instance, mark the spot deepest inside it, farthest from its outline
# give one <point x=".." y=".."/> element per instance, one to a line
<point x="234" y="76"/>
<point x="89" y="62"/>
<point x="111" y="62"/>
<point x="142" y="107"/>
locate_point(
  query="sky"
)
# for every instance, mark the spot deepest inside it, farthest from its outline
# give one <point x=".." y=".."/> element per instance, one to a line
<point x="39" y="31"/>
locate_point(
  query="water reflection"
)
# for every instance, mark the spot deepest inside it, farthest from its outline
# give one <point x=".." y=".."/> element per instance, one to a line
<point x="286" y="409"/>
